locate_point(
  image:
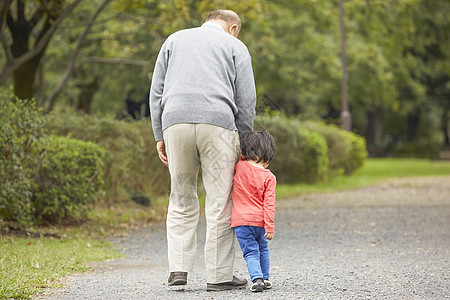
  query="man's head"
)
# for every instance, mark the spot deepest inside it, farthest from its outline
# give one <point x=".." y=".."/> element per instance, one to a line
<point x="228" y="19"/>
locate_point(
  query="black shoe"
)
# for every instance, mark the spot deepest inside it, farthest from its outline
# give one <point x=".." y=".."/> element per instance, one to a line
<point x="236" y="283"/>
<point x="267" y="284"/>
<point x="178" y="278"/>
<point x="258" y="285"/>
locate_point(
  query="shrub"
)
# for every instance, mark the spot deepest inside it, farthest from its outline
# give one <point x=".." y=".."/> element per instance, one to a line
<point x="358" y="153"/>
<point x="131" y="164"/>
<point x="20" y="129"/>
<point x="422" y="147"/>
<point x="42" y="177"/>
<point x="301" y="154"/>
<point x="133" y="169"/>
<point x="69" y="175"/>
<point x="346" y="150"/>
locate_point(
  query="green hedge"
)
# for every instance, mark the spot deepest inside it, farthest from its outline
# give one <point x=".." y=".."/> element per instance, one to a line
<point x="358" y="153"/>
<point x="132" y="167"/>
<point x="346" y="150"/>
<point x="42" y="178"/>
<point x="70" y="173"/>
<point x="50" y="178"/>
<point x="301" y="154"/>
<point x="20" y="129"/>
<point x="422" y="147"/>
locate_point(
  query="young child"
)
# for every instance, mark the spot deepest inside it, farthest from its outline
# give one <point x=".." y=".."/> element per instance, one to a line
<point x="254" y="205"/>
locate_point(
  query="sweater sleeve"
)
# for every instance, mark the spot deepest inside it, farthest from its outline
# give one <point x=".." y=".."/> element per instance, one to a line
<point x="269" y="204"/>
<point x="245" y="97"/>
<point x="156" y="92"/>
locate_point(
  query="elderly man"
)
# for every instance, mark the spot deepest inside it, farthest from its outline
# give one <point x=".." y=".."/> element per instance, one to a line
<point x="202" y="94"/>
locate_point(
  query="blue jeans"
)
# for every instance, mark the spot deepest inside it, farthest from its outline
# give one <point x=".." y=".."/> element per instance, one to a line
<point x="255" y="248"/>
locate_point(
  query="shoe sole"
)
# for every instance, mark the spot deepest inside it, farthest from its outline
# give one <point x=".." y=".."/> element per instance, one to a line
<point x="224" y="288"/>
<point x="257" y="289"/>
<point x="178" y="280"/>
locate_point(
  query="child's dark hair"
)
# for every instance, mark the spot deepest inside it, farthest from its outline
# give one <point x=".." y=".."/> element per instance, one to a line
<point x="258" y="146"/>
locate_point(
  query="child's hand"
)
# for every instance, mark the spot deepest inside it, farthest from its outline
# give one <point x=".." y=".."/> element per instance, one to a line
<point x="268" y="235"/>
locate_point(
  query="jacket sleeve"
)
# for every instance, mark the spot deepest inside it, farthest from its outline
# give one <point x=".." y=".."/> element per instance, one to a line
<point x="156" y="92"/>
<point x="269" y="204"/>
<point x="245" y="97"/>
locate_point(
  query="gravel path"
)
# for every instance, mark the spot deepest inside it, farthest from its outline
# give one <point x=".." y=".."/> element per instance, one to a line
<point x="389" y="241"/>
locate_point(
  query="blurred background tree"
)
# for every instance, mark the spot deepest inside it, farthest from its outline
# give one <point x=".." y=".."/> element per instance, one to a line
<point x="398" y="59"/>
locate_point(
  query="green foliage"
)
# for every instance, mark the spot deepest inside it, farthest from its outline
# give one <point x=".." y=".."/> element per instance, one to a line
<point x="398" y="57"/>
<point x="346" y="150"/>
<point x="131" y="164"/>
<point x="42" y="178"/>
<point x="20" y="130"/>
<point x="423" y="147"/>
<point x="311" y="151"/>
<point x="69" y="175"/>
<point x="293" y="49"/>
<point x="358" y="153"/>
<point x="63" y="174"/>
<point x="425" y="143"/>
<point x="301" y="154"/>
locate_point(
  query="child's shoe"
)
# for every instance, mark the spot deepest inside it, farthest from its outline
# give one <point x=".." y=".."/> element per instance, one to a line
<point x="257" y="286"/>
<point x="267" y="284"/>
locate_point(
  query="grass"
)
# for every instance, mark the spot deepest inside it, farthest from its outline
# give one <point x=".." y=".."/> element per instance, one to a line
<point x="112" y="220"/>
<point x="375" y="170"/>
<point x="28" y="265"/>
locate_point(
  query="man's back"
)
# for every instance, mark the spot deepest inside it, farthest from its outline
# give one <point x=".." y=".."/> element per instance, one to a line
<point x="202" y="69"/>
<point x="201" y="63"/>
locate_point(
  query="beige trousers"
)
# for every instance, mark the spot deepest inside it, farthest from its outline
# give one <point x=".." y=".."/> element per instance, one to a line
<point x="216" y="150"/>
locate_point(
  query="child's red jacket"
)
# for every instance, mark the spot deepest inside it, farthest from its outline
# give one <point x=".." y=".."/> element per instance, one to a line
<point x="253" y="197"/>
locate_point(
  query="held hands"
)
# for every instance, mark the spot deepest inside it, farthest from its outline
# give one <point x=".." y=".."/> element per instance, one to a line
<point x="268" y="235"/>
<point x="161" y="148"/>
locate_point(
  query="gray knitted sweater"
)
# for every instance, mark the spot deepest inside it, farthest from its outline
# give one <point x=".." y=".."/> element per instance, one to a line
<point x="203" y="75"/>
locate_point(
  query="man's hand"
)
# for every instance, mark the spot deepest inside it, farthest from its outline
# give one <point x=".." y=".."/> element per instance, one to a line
<point x="268" y="235"/>
<point x="161" y="148"/>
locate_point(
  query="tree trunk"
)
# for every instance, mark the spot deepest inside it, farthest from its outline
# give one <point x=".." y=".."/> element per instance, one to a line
<point x="22" y="62"/>
<point x="374" y="134"/>
<point x="346" y="117"/>
<point x="87" y="93"/>
<point x="24" y="77"/>
<point x="413" y="119"/>
<point x="445" y="128"/>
